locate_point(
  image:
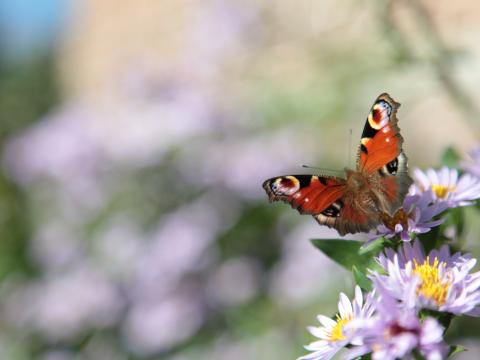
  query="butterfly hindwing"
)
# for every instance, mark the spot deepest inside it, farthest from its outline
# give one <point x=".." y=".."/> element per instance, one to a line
<point x="346" y="219"/>
<point x="395" y="182"/>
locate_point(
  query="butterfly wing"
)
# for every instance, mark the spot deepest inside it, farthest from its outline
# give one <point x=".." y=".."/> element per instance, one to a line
<point x="309" y="194"/>
<point x="380" y="153"/>
<point x="320" y="196"/>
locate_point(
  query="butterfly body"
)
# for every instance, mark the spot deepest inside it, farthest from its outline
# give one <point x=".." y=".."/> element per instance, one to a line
<point x="359" y="201"/>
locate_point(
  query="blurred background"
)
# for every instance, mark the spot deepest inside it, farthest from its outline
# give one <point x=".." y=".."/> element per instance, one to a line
<point x="135" y="138"/>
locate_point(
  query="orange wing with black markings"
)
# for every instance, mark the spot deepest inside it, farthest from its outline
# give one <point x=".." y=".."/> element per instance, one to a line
<point x="381" y="141"/>
<point x="309" y="194"/>
<point x="323" y="198"/>
<point x="381" y="153"/>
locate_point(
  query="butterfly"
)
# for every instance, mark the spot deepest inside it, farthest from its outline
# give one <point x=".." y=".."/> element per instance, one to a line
<point x="366" y="196"/>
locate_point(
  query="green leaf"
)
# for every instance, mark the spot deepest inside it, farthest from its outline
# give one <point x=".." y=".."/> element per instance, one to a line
<point x="450" y="157"/>
<point x="431" y="240"/>
<point x="373" y="247"/>
<point x="454" y="217"/>
<point x="361" y="279"/>
<point x="444" y="318"/>
<point x="365" y="357"/>
<point x="455" y="349"/>
<point x="347" y="253"/>
<point x="417" y="355"/>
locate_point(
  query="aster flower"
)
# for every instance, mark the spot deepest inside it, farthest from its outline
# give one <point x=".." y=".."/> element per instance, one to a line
<point x="394" y="332"/>
<point x="438" y="281"/>
<point x="415" y="217"/>
<point x="446" y="186"/>
<point x="331" y="332"/>
<point x="473" y="166"/>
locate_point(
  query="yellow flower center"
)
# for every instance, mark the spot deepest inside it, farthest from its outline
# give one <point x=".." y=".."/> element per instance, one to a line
<point x="442" y="191"/>
<point x="337" y="334"/>
<point x="431" y="286"/>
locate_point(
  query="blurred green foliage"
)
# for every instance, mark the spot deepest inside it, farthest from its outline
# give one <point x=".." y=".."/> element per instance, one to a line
<point x="28" y="90"/>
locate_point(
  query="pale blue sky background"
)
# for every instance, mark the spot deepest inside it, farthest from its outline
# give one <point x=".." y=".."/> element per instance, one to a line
<point x="30" y="25"/>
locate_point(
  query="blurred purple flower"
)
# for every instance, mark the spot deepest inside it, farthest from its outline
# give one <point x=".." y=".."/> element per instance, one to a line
<point x="234" y="282"/>
<point x="56" y="246"/>
<point x="439" y="281"/>
<point x="79" y="145"/>
<point x="234" y="22"/>
<point x="394" y="332"/>
<point x="62" y="148"/>
<point x="415" y="217"/>
<point x="473" y="165"/>
<point x="104" y="347"/>
<point x="176" y="247"/>
<point x="155" y="326"/>
<point x="298" y="263"/>
<point x="63" y="306"/>
<point x="59" y="355"/>
<point x="119" y="246"/>
<point x="446" y="186"/>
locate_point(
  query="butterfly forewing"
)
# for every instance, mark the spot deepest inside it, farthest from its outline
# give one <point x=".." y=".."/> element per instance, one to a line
<point x="309" y="194"/>
<point x="380" y="153"/>
<point x="381" y="141"/>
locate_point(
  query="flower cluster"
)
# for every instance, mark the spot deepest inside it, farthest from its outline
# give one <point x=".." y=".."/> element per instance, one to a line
<point x="410" y="295"/>
<point x="388" y="324"/>
<point x="433" y="192"/>
<point x="380" y="325"/>
<point x="394" y="332"/>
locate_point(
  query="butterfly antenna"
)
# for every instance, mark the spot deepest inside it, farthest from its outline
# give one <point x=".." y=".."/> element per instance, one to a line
<point x="349" y="161"/>
<point x="321" y="169"/>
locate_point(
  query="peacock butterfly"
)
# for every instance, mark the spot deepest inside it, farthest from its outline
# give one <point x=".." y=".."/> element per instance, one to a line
<point x="372" y="192"/>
